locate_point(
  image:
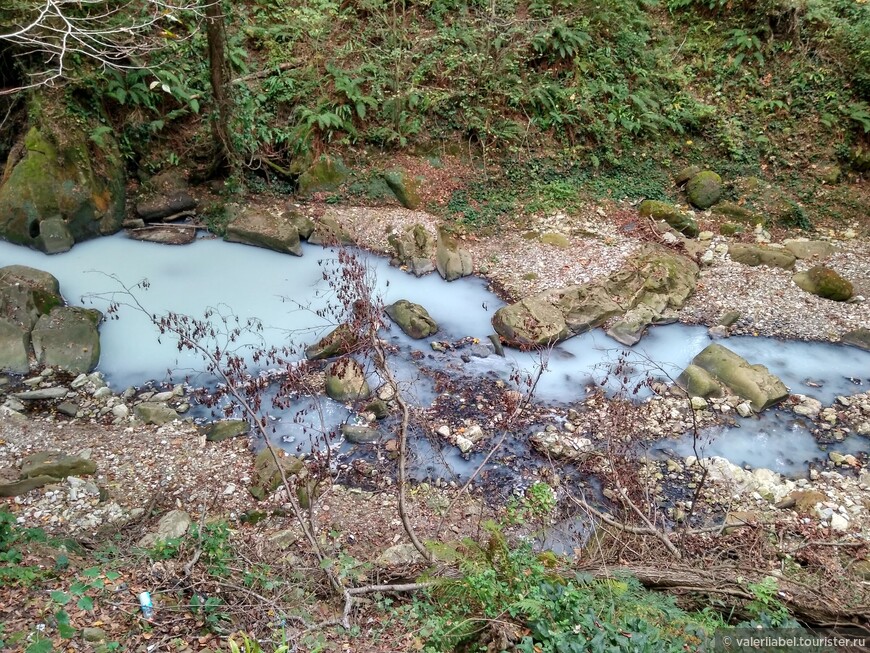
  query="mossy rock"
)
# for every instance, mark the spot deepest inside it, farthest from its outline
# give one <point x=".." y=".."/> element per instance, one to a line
<point x="704" y="189"/>
<point x="327" y="231"/>
<point x="226" y="429"/>
<point x="405" y="187"/>
<point x="555" y="239"/>
<point x="735" y="212"/>
<point x="859" y="158"/>
<point x="262" y="229"/>
<point x="338" y="342"/>
<point x="327" y="173"/>
<point x="413" y="319"/>
<point x="346" y="380"/>
<point x="731" y="229"/>
<point x="676" y="219"/>
<point x="719" y="365"/>
<point x="451" y="259"/>
<point x="825" y="283"/>
<point x="267" y="476"/>
<point x="378" y="408"/>
<point x="686" y="174"/>
<point x="414" y="248"/>
<point x="54" y="196"/>
<point x="56" y="465"/>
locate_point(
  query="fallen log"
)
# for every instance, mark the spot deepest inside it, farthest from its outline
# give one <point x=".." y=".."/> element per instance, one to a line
<point x="811" y="608"/>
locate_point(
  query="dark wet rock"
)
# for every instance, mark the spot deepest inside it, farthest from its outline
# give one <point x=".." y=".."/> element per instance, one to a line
<point x="165" y="234"/>
<point x="378" y="408"/>
<point x="338" y="342"/>
<point x="729" y="319"/>
<point x="165" y="206"/>
<point x="754" y="255"/>
<point x="53" y="195"/>
<point x="346" y="380"/>
<point x="451" y="259"/>
<point x="412" y="318"/>
<point x="226" y="429"/>
<point x="658" y="279"/>
<point x="261" y="229"/>
<point x="68" y="339"/>
<point x="676" y="219"/>
<point x="716" y="369"/>
<point x="414" y="248"/>
<point x="405" y="187"/>
<point x="69" y="408"/>
<point x="704" y="189"/>
<point x="825" y="283"/>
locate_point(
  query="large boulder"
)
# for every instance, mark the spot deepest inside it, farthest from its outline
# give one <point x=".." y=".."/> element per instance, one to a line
<point x="451" y="260"/>
<point x="26" y="294"/>
<point x="42" y="468"/>
<point x="755" y="255"/>
<point x="167" y="196"/>
<point x="414" y="248"/>
<point x="327" y="231"/>
<point x="682" y="222"/>
<point x="717" y="369"/>
<point x="405" y="187"/>
<point x="809" y="249"/>
<point x="412" y="318"/>
<point x="346" y="380"/>
<point x="736" y="212"/>
<point x="68" y="338"/>
<point x="825" y="283"/>
<point x="704" y="189"/>
<point x="53" y="195"/>
<point x="262" y="229"/>
<point x="658" y="281"/>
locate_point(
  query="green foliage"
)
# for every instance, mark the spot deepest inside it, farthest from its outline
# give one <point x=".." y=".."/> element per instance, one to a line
<point x="13" y="540"/>
<point x="537" y="504"/>
<point x="560" y="614"/>
<point x="766" y="604"/>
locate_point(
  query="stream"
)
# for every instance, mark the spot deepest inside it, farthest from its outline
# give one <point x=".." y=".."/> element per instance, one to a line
<point x="288" y="295"/>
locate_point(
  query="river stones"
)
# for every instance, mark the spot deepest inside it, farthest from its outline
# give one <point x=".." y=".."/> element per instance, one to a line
<point x="825" y="283"/>
<point x="342" y="340"/>
<point x="68" y="339"/>
<point x="675" y="218"/>
<point x="754" y="255"/>
<point x="412" y="318"/>
<point x="717" y="368"/>
<point x="704" y="189"/>
<point x="414" y="248"/>
<point x="346" y="380"/>
<point x="564" y="446"/>
<point x="261" y="229"/>
<point x="657" y="280"/>
<point x="451" y="260"/>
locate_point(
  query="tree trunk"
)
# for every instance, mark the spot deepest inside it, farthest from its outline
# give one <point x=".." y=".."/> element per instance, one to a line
<point x="220" y="85"/>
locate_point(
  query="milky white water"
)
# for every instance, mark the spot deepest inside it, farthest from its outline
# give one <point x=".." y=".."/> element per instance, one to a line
<point x="285" y="293"/>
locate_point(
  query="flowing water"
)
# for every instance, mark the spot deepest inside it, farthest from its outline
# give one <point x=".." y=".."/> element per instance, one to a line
<point x="288" y="296"/>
